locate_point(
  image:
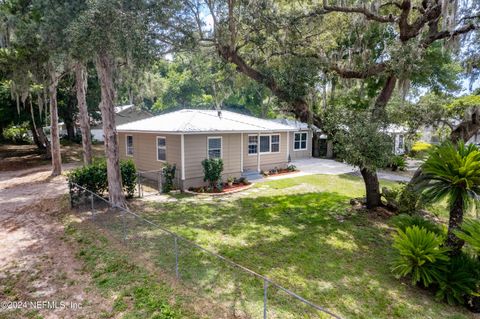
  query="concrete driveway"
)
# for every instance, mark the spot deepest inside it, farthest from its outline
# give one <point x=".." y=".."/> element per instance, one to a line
<point x="311" y="166"/>
<point x="323" y="166"/>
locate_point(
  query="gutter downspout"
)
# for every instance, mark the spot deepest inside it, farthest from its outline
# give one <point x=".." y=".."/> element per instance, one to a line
<point x="182" y="157"/>
<point x="258" y="152"/>
<point x="241" y="152"/>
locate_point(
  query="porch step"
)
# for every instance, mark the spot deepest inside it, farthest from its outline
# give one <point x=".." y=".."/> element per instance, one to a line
<point x="252" y="175"/>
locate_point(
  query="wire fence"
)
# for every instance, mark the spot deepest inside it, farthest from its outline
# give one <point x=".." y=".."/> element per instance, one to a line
<point x="151" y="182"/>
<point x="239" y="291"/>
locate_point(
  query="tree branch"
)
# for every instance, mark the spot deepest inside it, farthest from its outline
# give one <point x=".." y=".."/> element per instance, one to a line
<point x="369" y="15"/>
<point x="449" y="34"/>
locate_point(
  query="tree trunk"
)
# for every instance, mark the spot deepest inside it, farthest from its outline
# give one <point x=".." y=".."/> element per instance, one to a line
<point x="467" y="128"/>
<point x="372" y="187"/>
<point x="370" y="178"/>
<point x="104" y="66"/>
<point x="454" y="223"/>
<point x="70" y="130"/>
<point x="81" y="86"/>
<point x="55" y="144"/>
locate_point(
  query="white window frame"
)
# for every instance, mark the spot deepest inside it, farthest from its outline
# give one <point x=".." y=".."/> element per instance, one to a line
<point x="126" y="146"/>
<point x="279" y="142"/>
<point x="163" y="147"/>
<point x="269" y="144"/>
<point x="306" y="142"/>
<point x="221" y="145"/>
<point x="248" y="144"/>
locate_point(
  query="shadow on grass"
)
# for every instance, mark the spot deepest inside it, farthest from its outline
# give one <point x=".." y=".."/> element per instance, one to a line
<point x="310" y="243"/>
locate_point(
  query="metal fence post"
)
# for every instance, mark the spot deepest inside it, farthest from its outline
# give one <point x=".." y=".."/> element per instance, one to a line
<point x="92" y="206"/>
<point x="176" y="257"/>
<point x="124" y="226"/>
<point x="159" y="182"/>
<point x="265" y="287"/>
<point x="139" y="183"/>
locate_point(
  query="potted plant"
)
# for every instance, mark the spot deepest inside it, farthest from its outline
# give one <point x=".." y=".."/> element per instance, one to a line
<point x="230" y="181"/>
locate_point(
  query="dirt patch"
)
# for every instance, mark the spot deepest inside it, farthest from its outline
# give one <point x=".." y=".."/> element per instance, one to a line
<point x="21" y="157"/>
<point x="36" y="264"/>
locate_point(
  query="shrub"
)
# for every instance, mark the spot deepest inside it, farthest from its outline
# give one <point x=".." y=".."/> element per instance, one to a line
<point x="460" y="279"/>
<point x="419" y="255"/>
<point x="470" y="233"/>
<point x="404" y="198"/>
<point x="291" y="168"/>
<point x="129" y="177"/>
<point x="420" y="148"/>
<point x="168" y="172"/>
<point x="398" y="162"/>
<point x="17" y="134"/>
<point x="403" y="221"/>
<point x="94" y="178"/>
<point x="212" y="171"/>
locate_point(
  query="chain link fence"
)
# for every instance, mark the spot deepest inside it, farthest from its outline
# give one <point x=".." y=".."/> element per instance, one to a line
<point x="151" y="182"/>
<point x="241" y="292"/>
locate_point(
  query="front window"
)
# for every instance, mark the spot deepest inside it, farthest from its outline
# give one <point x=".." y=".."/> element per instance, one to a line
<point x="129" y="145"/>
<point x="161" y="149"/>
<point x="275" y="146"/>
<point x="214" y="147"/>
<point x="252" y="144"/>
<point x="300" y="142"/>
<point x="265" y="144"/>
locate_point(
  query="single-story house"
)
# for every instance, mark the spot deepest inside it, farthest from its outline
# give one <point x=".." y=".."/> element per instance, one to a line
<point x="397" y="133"/>
<point x="123" y="114"/>
<point x="186" y="137"/>
<point x="318" y="143"/>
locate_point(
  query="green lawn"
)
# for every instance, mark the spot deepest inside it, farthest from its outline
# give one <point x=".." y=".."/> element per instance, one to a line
<point x="301" y="233"/>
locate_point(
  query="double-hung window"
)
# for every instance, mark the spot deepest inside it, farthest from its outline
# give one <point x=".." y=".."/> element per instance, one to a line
<point x="129" y="145"/>
<point x="252" y="144"/>
<point x="161" y="148"/>
<point x="264" y="143"/>
<point x="267" y="144"/>
<point x="300" y="142"/>
<point x="275" y="144"/>
<point x="214" y="147"/>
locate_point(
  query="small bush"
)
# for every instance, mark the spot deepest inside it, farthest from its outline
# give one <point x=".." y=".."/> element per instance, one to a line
<point x="460" y="280"/>
<point x="398" y="162"/>
<point x="419" y="254"/>
<point x="17" y="134"/>
<point x="291" y="168"/>
<point x="94" y="178"/>
<point x="212" y="171"/>
<point x="420" y="149"/>
<point x="403" y="221"/>
<point x="404" y="198"/>
<point x="168" y="172"/>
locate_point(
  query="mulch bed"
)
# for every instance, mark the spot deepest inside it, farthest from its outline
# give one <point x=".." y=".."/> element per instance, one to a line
<point x="226" y="189"/>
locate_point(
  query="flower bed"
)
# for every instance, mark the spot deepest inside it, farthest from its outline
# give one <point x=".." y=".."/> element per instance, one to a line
<point x="280" y="171"/>
<point x="226" y="188"/>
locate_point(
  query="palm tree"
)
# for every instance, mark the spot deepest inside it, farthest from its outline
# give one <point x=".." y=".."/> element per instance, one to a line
<point x="452" y="172"/>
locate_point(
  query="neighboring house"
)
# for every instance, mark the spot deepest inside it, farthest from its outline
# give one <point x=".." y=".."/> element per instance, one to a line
<point x="398" y="135"/>
<point x="123" y="114"/>
<point x="245" y="143"/>
<point x="317" y="144"/>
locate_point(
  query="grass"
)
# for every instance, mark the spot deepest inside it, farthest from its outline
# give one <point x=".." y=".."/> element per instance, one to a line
<point x="301" y="233"/>
<point x="136" y="293"/>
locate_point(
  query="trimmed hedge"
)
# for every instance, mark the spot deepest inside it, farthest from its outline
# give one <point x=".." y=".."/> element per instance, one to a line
<point x="94" y="178"/>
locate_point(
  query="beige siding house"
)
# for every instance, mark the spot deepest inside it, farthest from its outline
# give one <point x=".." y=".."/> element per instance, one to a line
<point x="246" y="144"/>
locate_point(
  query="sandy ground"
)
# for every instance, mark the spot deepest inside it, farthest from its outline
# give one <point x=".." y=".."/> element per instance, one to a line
<point x="36" y="264"/>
